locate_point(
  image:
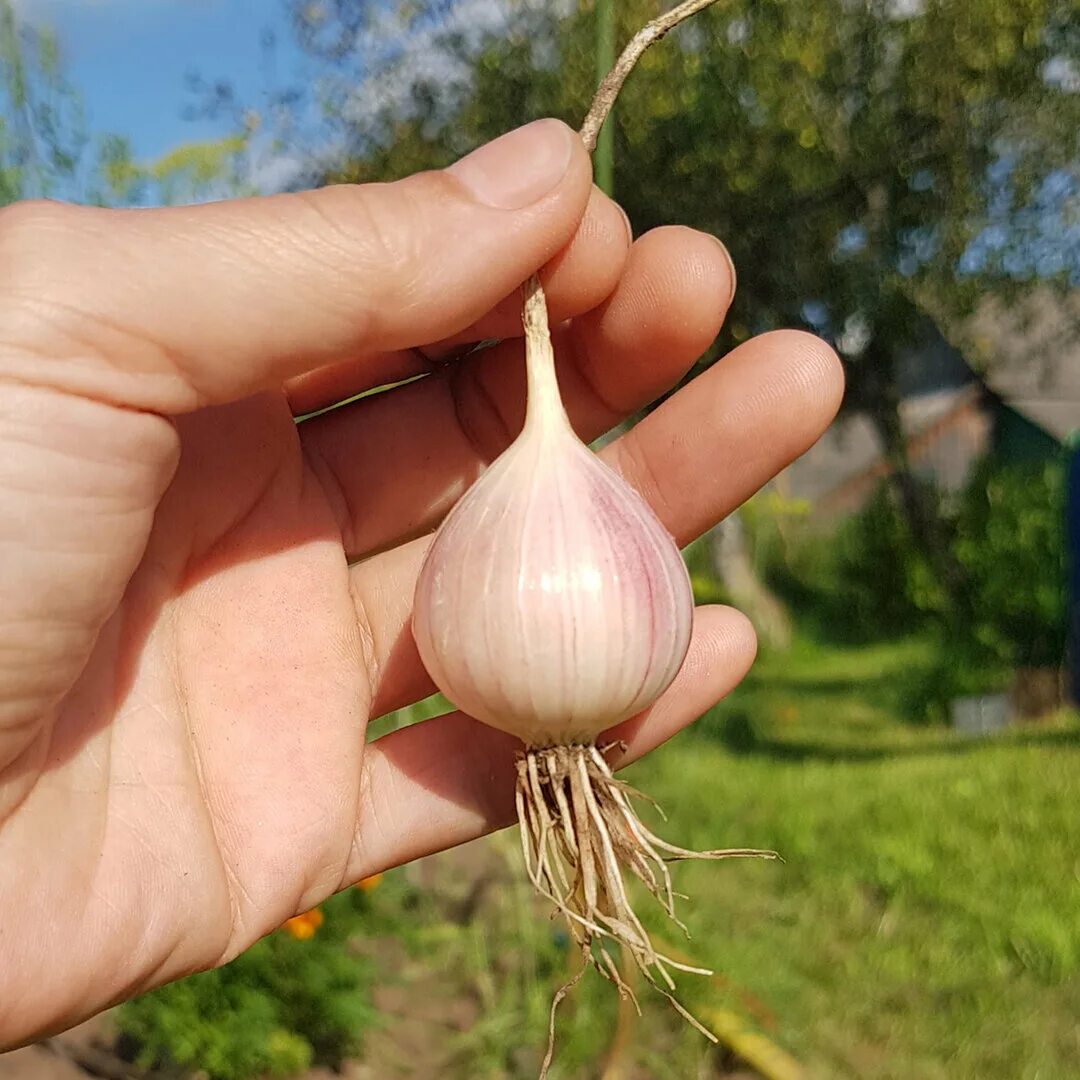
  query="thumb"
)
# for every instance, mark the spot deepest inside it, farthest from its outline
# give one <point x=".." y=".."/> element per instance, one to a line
<point x="170" y="309"/>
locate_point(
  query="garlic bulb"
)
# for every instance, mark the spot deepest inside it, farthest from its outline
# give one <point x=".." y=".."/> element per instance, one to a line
<point x="553" y="603"/>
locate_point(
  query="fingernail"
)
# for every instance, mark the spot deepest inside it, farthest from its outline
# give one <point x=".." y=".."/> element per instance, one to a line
<point x="626" y="220"/>
<point x="731" y="265"/>
<point x="518" y="168"/>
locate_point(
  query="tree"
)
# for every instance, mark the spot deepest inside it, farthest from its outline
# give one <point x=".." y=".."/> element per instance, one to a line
<point x="853" y="154"/>
<point x="42" y="138"/>
<point x="45" y="149"/>
<point x="188" y="173"/>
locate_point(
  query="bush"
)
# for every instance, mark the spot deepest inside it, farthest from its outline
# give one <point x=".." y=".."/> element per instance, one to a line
<point x="280" y="1007"/>
<point x="957" y="671"/>
<point x="866" y="581"/>
<point x="869" y="581"/>
<point x="1010" y="539"/>
<point x="888" y="586"/>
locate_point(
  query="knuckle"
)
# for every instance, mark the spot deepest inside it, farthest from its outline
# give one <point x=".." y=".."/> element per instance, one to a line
<point x="374" y="235"/>
<point x="374" y="226"/>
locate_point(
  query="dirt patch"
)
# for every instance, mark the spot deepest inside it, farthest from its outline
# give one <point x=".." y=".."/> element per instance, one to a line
<point x="59" y="1058"/>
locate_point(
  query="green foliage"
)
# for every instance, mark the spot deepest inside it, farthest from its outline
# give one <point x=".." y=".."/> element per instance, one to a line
<point x="1010" y="538"/>
<point x="42" y="134"/>
<point x="188" y="173"/>
<point x="868" y="580"/>
<point x="276" y="1009"/>
<point x="865" y="580"/>
<point x="119" y="174"/>
<point x="196" y="171"/>
<point x="841" y="150"/>
<point x="889" y="581"/>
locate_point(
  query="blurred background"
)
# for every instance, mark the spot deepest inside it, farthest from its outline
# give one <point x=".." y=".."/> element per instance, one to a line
<point x="899" y="176"/>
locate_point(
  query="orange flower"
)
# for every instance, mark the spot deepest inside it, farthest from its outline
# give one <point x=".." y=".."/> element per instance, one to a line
<point x="369" y="883"/>
<point x="303" y="927"/>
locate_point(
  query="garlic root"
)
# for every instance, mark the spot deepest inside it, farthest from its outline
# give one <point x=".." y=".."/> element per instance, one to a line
<point x="579" y="832"/>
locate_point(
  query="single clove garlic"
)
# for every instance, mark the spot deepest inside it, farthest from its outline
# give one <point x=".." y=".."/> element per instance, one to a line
<point x="552" y="604"/>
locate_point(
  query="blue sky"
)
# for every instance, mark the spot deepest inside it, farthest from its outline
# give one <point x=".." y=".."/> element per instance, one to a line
<point x="128" y="59"/>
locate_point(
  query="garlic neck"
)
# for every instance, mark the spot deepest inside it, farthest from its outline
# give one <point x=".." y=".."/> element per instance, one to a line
<point x="545" y="409"/>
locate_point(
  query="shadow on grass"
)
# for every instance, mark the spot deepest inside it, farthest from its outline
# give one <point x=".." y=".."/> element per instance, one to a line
<point x="903" y="697"/>
<point x="736" y="732"/>
<point x="826" y="615"/>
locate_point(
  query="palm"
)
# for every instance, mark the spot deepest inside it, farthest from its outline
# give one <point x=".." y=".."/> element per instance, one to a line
<point x="222" y="796"/>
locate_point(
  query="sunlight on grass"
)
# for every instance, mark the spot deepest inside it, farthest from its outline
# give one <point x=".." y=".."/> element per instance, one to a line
<point x="925" y="922"/>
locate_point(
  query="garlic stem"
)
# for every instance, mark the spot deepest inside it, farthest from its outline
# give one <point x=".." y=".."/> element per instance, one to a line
<point x="544" y="406"/>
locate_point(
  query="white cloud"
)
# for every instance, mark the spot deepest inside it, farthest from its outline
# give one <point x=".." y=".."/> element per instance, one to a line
<point x="269" y="172"/>
<point x="399" y="58"/>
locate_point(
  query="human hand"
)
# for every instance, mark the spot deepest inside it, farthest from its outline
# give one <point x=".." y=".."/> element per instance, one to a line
<point x="203" y="603"/>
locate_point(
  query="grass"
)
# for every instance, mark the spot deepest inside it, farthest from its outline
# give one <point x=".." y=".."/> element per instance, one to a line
<point x="925" y="922"/>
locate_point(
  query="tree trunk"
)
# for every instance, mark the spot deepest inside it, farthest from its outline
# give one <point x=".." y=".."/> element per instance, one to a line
<point x="927" y="528"/>
<point x="734" y="566"/>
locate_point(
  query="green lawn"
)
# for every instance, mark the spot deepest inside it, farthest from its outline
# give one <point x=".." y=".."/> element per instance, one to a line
<point x="925" y="922"/>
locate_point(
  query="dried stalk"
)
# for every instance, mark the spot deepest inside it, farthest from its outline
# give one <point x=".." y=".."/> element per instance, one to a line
<point x="534" y="306"/>
<point x="609" y="88"/>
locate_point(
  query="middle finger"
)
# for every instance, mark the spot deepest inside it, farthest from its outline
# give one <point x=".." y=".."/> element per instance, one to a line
<point x="396" y="462"/>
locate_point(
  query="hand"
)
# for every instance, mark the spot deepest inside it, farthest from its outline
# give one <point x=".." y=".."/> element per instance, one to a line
<point x="202" y="602"/>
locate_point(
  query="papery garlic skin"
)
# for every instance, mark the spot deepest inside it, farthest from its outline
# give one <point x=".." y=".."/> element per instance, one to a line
<point x="552" y="603"/>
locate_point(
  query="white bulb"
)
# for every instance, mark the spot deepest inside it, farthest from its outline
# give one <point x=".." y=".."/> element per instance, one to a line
<point x="552" y="603"/>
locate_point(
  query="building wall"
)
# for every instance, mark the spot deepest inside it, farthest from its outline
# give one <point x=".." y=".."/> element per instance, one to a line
<point x="944" y="452"/>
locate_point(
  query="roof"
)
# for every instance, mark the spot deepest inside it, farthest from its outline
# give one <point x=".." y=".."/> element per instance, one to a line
<point x="1030" y="351"/>
<point x="852" y="448"/>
